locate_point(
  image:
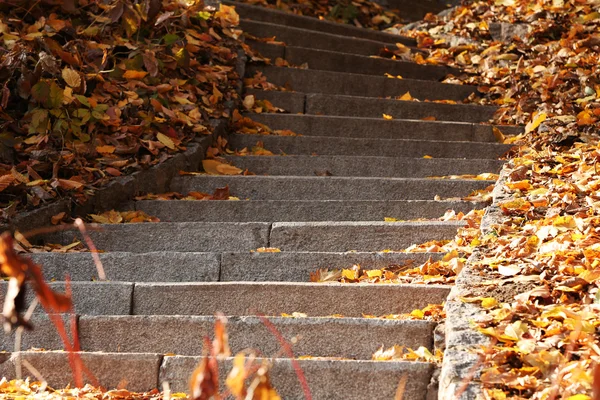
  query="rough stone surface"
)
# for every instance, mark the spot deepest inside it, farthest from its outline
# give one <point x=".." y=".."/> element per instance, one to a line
<point x="303" y="210"/>
<point x="95" y="298"/>
<point x="328" y="82"/>
<point x="368" y="147"/>
<point x="336" y="165"/>
<point x="181" y="236"/>
<point x="163" y="266"/>
<point x="358" y="64"/>
<point x="344" y="126"/>
<point x="313" y="39"/>
<point x="368" y="107"/>
<point x="274" y="298"/>
<point x="328" y="188"/>
<point x="362" y="236"/>
<point x="318" y="337"/>
<point x="291" y="102"/>
<point x="299" y="21"/>
<point x="297" y="266"/>
<point x="42" y="336"/>
<point x="140" y="371"/>
<point x="327" y="379"/>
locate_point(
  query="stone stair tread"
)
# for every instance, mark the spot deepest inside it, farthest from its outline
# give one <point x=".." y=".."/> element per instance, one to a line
<point x="353" y="63"/>
<point x="398" y="148"/>
<point x="375" y="166"/>
<point x="360" y="106"/>
<point x="240" y="236"/>
<point x="350" y="84"/>
<point x="345" y="126"/>
<point x="332" y="379"/>
<point x="163" y="334"/>
<point x="324" y="104"/>
<point x="328" y="187"/>
<point x="313" y="39"/>
<point x="274" y="298"/>
<point x="299" y="210"/>
<point x="358" y="235"/>
<point x="213" y="267"/>
<point x="299" y="21"/>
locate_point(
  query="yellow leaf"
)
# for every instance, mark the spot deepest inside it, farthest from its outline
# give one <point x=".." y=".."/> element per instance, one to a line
<point x="350" y="274"/>
<point x="105" y="149"/>
<point x="406" y="96"/>
<point x="214" y="167"/>
<point x="374" y="273"/>
<point x="426" y="156"/>
<point x="500" y="138"/>
<point x="135" y="74"/>
<point x="164" y="139"/>
<point x="389" y="219"/>
<point x="489" y="302"/>
<point x="388" y="117"/>
<point x="419" y="314"/>
<point x="268" y="250"/>
<point x="536" y="120"/>
<point x="71" y="77"/>
<point x="579" y="397"/>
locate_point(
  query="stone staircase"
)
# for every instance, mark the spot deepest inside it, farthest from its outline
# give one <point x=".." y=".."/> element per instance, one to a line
<point x="168" y="279"/>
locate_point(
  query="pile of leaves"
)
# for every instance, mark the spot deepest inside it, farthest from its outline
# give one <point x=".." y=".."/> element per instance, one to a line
<point x="362" y="13"/>
<point x="94" y="90"/>
<point x="537" y="274"/>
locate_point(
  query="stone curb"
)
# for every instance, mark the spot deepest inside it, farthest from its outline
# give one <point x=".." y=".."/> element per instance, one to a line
<point x="462" y="341"/>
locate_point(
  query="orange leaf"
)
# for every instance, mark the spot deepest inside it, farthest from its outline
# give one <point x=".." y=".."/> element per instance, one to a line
<point x="135" y="74"/>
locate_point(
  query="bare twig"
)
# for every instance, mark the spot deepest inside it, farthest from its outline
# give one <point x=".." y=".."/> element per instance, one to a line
<point x="288" y="349"/>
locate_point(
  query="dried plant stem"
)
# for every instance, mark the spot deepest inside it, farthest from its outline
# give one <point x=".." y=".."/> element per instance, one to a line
<point x="18" y="338"/>
<point x="288" y="350"/>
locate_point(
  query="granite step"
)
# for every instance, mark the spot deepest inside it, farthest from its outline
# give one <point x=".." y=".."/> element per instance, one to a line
<point x="341" y="83"/>
<point x="379" y="128"/>
<point x="328" y="187"/>
<point x="392" y="148"/>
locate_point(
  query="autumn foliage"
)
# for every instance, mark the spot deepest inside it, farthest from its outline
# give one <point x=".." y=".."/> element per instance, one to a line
<point x="90" y="90"/>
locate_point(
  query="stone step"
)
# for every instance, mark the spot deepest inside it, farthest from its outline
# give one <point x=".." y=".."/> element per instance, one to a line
<point x="297" y="266"/>
<point x="355" y="106"/>
<point x="180" y="236"/>
<point x="391" y="148"/>
<point x="336" y="165"/>
<point x="323" y="104"/>
<point x="321" y="125"/>
<point x="327" y="379"/>
<point x="213" y="267"/>
<point x="328" y="187"/>
<point x="353" y="63"/>
<point x="133" y="267"/>
<point x="299" y="210"/>
<point x="245" y="236"/>
<point x="274" y="298"/>
<point x="163" y="334"/>
<point x="329" y="82"/>
<point x="314" y="39"/>
<point x="93" y="298"/>
<point x="360" y="236"/>
<point x="278" y="17"/>
<point x="269" y="298"/>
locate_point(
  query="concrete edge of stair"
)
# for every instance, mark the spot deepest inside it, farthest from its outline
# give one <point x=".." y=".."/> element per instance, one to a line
<point x="462" y="340"/>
